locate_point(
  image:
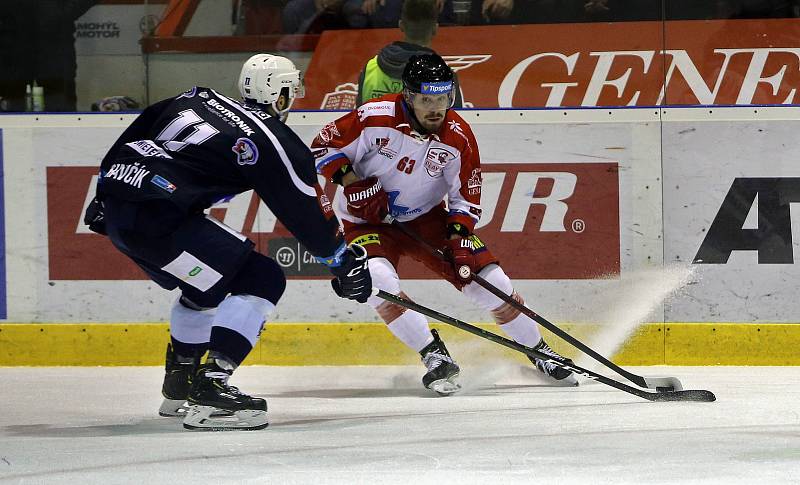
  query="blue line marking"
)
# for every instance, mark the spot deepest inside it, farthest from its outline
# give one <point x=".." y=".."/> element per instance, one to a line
<point x="3" y="283"/>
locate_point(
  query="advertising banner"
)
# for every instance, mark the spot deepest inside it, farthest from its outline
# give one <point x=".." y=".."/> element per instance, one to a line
<point x="562" y="221"/>
<point x="731" y="209"/>
<point x="571" y="208"/>
<point x="723" y="62"/>
<point x="116" y="29"/>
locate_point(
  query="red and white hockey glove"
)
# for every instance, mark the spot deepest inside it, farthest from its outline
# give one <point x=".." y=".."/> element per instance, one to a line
<point x="367" y="200"/>
<point x="460" y="257"/>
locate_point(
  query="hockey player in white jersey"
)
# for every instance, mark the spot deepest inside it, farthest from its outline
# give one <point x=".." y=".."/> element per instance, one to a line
<point x="404" y="155"/>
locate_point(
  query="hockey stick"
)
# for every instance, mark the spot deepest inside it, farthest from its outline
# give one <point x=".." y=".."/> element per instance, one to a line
<point x="657" y="383"/>
<point x="661" y="396"/>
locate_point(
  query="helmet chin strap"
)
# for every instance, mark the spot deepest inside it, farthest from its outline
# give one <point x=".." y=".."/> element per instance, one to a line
<point x="272" y="108"/>
<point x="282" y="114"/>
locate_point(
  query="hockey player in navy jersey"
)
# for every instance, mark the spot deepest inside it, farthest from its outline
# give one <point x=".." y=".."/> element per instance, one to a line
<point x="180" y="156"/>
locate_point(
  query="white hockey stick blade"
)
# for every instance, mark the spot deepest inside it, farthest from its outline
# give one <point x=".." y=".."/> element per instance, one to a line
<point x="208" y="418"/>
<point x="668" y="383"/>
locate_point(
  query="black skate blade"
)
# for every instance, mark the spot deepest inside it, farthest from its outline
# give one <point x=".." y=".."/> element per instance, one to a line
<point x="692" y="395"/>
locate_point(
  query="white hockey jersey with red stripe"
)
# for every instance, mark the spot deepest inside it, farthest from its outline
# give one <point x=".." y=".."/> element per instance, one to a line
<point x="417" y="171"/>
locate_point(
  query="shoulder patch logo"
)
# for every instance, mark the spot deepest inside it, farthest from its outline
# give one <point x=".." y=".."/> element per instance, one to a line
<point x="246" y="151"/>
<point x="328" y="132"/>
<point x="378" y="108"/>
<point x="475" y="181"/>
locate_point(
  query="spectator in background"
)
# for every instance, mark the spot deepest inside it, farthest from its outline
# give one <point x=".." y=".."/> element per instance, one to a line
<point x="314" y="16"/>
<point x="558" y="11"/>
<point x="382" y="73"/>
<point x="386" y="13"/>
<point x="37" y="42"/>
<point x="758" y="9"/>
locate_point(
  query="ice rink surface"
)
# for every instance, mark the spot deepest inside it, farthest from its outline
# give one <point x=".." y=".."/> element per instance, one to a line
<point x="377" y="425"/>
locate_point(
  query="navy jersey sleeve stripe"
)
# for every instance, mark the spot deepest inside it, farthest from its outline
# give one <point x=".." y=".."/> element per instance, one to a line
<point x="301" y="186"/>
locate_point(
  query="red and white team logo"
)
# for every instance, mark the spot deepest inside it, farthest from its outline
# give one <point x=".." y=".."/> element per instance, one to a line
<point x="329" y="131"/>
<point x="325" y="204"/>
<point x="474" y="182"/>
<point x="436" y="159"/>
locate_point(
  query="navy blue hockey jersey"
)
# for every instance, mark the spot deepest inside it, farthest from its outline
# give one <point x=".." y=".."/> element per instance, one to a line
<point x="201" y="147"/>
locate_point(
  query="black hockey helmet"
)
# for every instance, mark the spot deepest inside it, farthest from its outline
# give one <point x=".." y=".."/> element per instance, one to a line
<point x="428" y="74"/>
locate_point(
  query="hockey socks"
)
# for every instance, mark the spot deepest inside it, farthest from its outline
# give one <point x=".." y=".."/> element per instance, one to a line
<point x="189" y="326"/>
<point x="523" y="330"/>
<point x="237" y="325"/>
<point x="411" y="328"/>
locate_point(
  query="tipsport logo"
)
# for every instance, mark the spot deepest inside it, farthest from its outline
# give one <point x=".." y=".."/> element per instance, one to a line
<point x="442" y="87"/>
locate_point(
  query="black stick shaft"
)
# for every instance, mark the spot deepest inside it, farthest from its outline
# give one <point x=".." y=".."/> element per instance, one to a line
<point x="636" y="379"/>
<point x="650" y="396"/>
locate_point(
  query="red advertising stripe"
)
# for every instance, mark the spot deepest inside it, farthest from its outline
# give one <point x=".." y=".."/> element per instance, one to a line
<point x="548" y="221"/>
<point x="73" y="255"/>
<point x="556" y="221"/>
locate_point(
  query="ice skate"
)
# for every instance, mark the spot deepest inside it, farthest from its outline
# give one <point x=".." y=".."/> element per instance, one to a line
<point x="555" y="374"/>
<point x="216" y="406"/>
<point x="178" y="372"/>
<point x="442" y="371"/>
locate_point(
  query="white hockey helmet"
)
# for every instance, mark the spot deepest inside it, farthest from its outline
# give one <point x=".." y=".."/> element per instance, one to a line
<point x="264" y="76"/>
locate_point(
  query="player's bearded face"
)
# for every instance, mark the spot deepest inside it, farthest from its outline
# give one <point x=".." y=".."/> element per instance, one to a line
<point x="430" y="109"/>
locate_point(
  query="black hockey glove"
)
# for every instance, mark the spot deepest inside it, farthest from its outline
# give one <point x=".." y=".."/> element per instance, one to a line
<point x="95" y="217"/>
<point x="353" y="280"/>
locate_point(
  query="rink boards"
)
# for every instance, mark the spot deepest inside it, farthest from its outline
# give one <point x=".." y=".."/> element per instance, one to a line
<point x="595" y="213"/>
<point x="292" y="344"/>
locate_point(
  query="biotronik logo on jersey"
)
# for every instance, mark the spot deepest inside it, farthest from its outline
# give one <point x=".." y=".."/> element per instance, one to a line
<point x="246" y="151"/>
